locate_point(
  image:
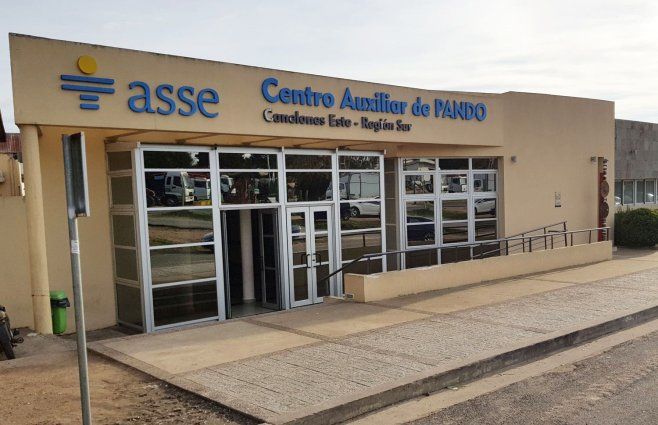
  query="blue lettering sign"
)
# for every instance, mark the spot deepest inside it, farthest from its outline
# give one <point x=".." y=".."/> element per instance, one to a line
<point x="184" y="101"/>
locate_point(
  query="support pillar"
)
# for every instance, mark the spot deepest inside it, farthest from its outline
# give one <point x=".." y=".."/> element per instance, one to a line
<point x="247" y="254"/>
<point x="36" y="230"/>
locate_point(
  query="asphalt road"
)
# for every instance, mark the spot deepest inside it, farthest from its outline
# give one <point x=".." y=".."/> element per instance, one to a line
<point x="619" y="386"/>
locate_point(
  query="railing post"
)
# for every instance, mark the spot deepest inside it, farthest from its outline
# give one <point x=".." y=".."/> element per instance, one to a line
<point x="530" y="244"/>
<point x="523" y="241"/>
<point x="572" y="239"/>
<point x="552" y="242"/>
<point x="506" y="246"/>
<point x="368" y="266"/>
<point x="590" y="236"/>
<point x="564" y="229"/>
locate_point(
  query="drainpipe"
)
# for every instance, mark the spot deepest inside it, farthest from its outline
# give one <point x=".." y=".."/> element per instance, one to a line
<point x="36" y="230"/>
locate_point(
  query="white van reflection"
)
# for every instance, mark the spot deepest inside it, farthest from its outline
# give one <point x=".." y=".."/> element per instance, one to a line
<point x="171" y="188"/>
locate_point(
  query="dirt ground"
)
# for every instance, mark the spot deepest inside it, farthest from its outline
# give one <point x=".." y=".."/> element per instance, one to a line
<point x="43" y="389"/>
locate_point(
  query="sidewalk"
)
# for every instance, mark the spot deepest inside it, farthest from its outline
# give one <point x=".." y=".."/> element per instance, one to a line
<point x="295" y="365"/>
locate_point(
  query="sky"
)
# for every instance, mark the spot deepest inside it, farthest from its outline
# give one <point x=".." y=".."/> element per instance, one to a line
<point x="597" y="49"/>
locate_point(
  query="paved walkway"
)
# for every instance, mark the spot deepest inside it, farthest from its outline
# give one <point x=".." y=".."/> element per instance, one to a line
<point x="280" y="364"/>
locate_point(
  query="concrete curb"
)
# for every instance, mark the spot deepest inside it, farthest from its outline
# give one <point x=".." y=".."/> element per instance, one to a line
<point x="357" y="404"/>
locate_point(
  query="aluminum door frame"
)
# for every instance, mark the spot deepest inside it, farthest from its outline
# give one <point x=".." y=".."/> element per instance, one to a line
<point x="311" y="257"/>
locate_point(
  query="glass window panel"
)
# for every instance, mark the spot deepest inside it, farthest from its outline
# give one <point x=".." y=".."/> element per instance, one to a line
<point x="485" y="163"/>
<point x="270" y="256"/>
<point x="358" y="162"/>
<point x="456" y="209"/>
<point x="418" y="184"/>
<point x="650" y="191"/>
<point x="420" y="211"/>
<point x="247" y="160"/>
<point x="129" y="304"/>
<point x="485" y="208"/>
<point x="122" y="190"/>
<point x="178" y="264"/>
<point x="119" y="160"/>
<point x="421" y="234"/>
<point x="176" y="159"/>
<point x="628" y="192"/>
<point x="455" y="232"/>
<point x="484" y="182"/>
<point x="123" y="227"/>
<point x="125" y="263"/>
<point x="298" y="223"/>
<point x="184" y="303"/>
<point x="360" y="215"/>
<point x="308" y="186"/>
<point x="486" y="230"/>
<point x="618" y="192"/>
<point x="419" y="164"/>
<point x="299" y="250"/>
<point x="639" y="191"/>
<point x="488" y="250"/>
<point x="320" y="221"/>
<point x="454" y="183"/>
<point x="454" y="255"/>
<point x="322" y="284"/>
<point x="421" y="259"/>
<point x="308" y="162"/>
<point x="358" y="185"/>
<point x="355" y="245"/>
<point x="177" y="188"/>
<point x="453" y="164"/>
<point x="362" y="267"/>
<point x="300" y="276"/>
<point x="180" y="226"/>
<point x="250" y="188"/>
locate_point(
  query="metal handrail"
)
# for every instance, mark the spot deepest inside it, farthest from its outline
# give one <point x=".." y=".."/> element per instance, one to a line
<point x="604" y="236"/>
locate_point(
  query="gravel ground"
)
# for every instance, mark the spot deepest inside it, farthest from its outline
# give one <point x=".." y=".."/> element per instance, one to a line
<point x="619" y="386"/>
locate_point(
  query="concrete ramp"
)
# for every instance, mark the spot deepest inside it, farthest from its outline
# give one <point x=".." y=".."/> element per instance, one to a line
<point x="333" y="362"/>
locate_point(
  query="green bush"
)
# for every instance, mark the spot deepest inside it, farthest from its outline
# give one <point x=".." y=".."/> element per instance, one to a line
<point x="636" y="228"/>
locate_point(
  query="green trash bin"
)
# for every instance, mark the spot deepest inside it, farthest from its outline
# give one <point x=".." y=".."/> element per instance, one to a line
<point x="58" y="305"/>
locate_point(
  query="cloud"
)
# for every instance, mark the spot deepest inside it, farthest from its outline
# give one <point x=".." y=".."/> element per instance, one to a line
<point x="600" y="49"/>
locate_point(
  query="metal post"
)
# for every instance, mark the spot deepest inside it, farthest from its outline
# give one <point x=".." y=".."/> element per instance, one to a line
<point x="564" y="229"/>
<point x="77" y="294"/>
<point x="530" y="244"/>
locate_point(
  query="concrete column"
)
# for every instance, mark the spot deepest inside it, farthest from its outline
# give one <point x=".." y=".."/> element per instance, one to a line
<point x="246" y="249"/>
<point x="36" y="230"/>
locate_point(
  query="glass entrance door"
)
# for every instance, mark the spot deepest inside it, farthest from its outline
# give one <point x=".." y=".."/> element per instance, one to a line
<point x="311" y="253"/>
<point x="269" y="258"/>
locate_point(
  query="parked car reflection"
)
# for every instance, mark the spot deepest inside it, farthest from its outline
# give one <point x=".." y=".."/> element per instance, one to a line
<point x="417" y="232"/>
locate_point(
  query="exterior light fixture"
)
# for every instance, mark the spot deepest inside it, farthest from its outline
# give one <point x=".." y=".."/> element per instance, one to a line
<point x="514" y="159"/>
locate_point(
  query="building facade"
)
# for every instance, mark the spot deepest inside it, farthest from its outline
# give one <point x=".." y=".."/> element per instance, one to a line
<point x="220" y="190"/>
<point x="636" y="164"/>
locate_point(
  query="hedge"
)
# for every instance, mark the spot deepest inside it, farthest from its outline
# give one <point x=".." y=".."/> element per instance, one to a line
<point x="636" y="228"/>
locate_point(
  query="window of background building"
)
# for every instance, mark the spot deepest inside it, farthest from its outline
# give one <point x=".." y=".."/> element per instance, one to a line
<point x="628" y="192"/>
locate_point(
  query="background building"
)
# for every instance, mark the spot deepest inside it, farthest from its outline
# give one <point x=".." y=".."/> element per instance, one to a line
<point x="636" y="163"/>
